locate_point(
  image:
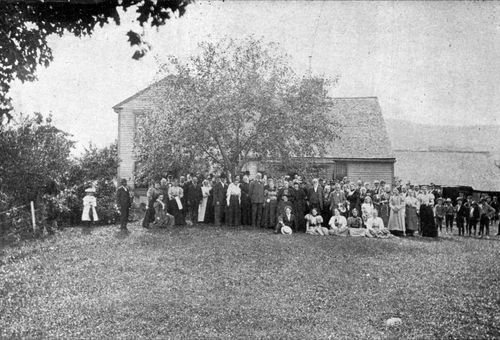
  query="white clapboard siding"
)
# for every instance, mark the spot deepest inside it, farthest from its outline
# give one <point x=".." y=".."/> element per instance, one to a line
<point x="370" y="171"/>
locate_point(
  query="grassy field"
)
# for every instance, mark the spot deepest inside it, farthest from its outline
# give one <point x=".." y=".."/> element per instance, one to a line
<point x="208" y="282"/>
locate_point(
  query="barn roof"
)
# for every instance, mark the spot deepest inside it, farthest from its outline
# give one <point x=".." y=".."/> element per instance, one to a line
<point x="363" y="133"/>
<point x="448" y="168"/>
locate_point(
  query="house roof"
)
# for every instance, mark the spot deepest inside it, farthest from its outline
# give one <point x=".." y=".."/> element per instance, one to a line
<point x="148" y="93"/>
<point x="363" y="133"/>
<point x="448" y="168"/>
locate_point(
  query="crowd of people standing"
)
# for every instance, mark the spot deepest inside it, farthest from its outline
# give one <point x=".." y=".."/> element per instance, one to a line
<point x="290" y="204"/>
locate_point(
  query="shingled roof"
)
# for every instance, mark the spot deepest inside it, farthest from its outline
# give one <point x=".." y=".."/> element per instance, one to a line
<point x="448" y="168"/>
<point x="363" y="133"/>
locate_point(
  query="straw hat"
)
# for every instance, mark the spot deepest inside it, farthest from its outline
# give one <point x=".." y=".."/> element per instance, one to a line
<point x="286" y="230"/>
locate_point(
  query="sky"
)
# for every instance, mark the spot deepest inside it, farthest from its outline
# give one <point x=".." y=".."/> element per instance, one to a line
<point x="427" y="62"/>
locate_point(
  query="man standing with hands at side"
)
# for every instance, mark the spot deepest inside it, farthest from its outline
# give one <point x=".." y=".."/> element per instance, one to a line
<point x="256" y="193"/>
<point x="123" y="201"/>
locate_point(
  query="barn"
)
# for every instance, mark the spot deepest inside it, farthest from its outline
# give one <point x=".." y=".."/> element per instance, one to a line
<point x="363" y="150"/>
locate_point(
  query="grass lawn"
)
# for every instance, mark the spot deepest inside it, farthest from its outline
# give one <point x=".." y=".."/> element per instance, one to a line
<point x="208" y="282"/>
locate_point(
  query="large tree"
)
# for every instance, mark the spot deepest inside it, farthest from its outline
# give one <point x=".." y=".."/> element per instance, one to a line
<point x="34" y="157"/>
<point x="236" y="100"/>
<point x="26" y="25"/>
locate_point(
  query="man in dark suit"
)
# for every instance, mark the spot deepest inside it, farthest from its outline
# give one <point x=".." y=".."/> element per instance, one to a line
<point x="315" y="196"/>
<point x="256" y="193"/>
<point x="193" y="196"/>
<point x="219" y="199"/>
<point x="462" y="214"/>
<point x="123" y="201"/>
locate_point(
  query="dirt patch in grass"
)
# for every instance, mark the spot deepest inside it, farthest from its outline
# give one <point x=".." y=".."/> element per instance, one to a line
<point x="209" y="282"/>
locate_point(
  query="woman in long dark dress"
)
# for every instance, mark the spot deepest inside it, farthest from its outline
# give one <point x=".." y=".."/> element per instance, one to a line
<point x="175" y="206"/>
<point x="299" y="206"/>
<point x="152" y="194"/>
<point x="411" y="218"/>
<point x="246" y="204"/>
<point x="427" y="223"/>
<point x="385" y="210"/>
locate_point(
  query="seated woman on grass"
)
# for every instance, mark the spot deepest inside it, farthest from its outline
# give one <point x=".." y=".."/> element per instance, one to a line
<point x="338" y="224"/>
<point x="162" y="218"/>
<point x="355" y="224"/>
<point x="314" y="224"/>
<point x="375" y="227"/>
<point x="286" y="222"/>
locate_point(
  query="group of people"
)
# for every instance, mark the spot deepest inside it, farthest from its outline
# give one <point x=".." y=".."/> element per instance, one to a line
<point x="290" y="204"/>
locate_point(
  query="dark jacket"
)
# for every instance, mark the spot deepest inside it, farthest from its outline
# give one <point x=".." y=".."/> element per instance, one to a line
<point x="193" y="194"/>
<point x="315" y="197"/>
<point x="256" y="192"/>
<point x="219" y="194"/>
<point x="292" y="222"/>
<point x="123" y="198"/>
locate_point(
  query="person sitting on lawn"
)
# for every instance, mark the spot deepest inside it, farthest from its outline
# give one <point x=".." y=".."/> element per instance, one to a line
<point x="355" y="224"/>
<point x="286" y="222"/>
<point x="314" y="223"/>
<point x="338" y="224"/>
<point x="162" y="218"/>
<point x="375" y="227"/>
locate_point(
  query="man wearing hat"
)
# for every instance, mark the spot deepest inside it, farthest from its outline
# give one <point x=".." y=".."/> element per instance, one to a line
<point x="123" y="201"/>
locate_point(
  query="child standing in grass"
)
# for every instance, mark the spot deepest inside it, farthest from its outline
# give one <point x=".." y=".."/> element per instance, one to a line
<point x="439" y="212"/>
<point x="89" y="213"/>
<point x="450" y="213"/>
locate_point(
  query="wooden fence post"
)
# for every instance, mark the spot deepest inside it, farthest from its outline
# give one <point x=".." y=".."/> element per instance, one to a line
<point x="33" y="215"/>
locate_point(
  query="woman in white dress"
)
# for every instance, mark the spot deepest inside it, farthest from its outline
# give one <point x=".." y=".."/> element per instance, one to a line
<point x="314" y="224"/>
<point x="202" y="208"/>
<point x="89" y="213"/>
<point x="367" y="209"/>
<point x="338" y="224"/>
<point x="375" y="227"/>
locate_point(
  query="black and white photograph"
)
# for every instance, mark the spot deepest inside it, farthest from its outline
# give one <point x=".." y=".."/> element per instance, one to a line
<point x="245" y="169"/>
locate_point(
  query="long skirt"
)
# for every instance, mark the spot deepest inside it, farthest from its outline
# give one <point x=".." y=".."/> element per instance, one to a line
<point x="246" y="210"/>
<point x="427" y="222"/>
<point x="178" y="214"/>
<point x="209" y="213"/>
<point x="233" y="217"/>
<point x="384" y="213"/>
<point x="411" y="220"/>
<point x="149" y="216"/>
<point x="202" y="208"/>
<point x="397" y="220"/>
<point x="269" y="219"/>
<point x="379" y="233"/>
<point x="299" y="210"/>
<point x="339" y="231"/>
<point x="164" y="221"/>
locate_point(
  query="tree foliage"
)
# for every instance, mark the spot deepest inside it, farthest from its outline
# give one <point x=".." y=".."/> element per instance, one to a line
<point x="236" y="100"/>
<point x="26" y="25"/>
<point x="35" y="155"/>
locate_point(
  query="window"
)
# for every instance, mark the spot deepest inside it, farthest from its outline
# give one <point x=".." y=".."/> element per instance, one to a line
<point x="339" y="170"/>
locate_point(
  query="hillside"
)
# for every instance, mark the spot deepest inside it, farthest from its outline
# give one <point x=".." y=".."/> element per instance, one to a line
<point x="408" y="135"/>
